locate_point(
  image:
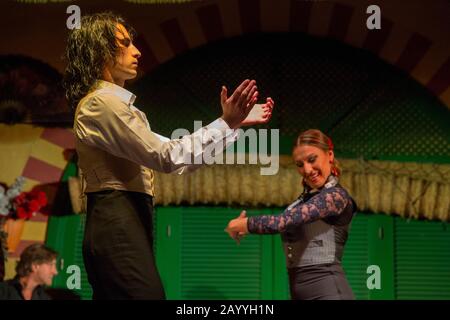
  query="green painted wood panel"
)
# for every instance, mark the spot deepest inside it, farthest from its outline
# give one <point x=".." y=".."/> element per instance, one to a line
<point x="422" y="260"/>
<point x="356" y="256"/>
<point x="85" y="291"/>
<point x="65" y="235"/>
<point x="167" y="235"/>
<point x="213" y="266"/>
<point x="197" y="260"/>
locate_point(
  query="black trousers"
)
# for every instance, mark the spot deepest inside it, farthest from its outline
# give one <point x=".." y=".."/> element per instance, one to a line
<point x="319" y="282"/>
<point x="118" y="246"/>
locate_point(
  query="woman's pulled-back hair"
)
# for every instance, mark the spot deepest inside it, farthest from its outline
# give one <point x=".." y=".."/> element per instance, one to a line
<point x="316" y="138"/>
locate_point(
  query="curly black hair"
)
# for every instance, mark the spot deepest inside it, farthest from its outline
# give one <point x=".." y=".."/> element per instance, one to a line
<point x="88" y="49"/>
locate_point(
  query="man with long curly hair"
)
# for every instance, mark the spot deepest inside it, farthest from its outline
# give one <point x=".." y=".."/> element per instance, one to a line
<point x="117" y="152"/>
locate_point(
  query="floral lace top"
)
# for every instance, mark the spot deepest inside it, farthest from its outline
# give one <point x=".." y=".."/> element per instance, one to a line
<point x="326" y="203"/>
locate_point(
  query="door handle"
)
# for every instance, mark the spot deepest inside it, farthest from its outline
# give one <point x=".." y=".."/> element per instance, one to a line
<point x="380" y="233"/>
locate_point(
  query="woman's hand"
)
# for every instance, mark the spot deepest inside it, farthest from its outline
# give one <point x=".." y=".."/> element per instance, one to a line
<point x="237" y="228"/>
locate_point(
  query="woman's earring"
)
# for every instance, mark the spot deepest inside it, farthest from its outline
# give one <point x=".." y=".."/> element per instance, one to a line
<point x="334" y="171"/>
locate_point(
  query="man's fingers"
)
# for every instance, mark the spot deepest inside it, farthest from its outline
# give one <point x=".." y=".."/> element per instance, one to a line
<point x="243" y="97"/>
<point x="251" y="103"/>
<point x="267" y="108"/>
<point x="238" y="92"/>
<point x="223" y="95"/>
<point x="270" y="103"/>
<point x="252" y="95"/>
<point x="267" y="115"/>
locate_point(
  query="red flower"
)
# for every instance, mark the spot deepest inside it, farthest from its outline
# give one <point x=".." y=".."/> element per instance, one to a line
<point x="28" y="203"/>
<point x="42" y="199"/>
<point x="330" y="144"/>
<point x="22" y="213"/>
<point x="33" y="206"/>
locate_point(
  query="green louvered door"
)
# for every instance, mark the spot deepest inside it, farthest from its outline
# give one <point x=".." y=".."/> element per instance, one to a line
<point x="85" y="291"/>
<point x="61" y="233"/>
<point x="370" y="245"/>
<point x="422" y="260"/>
<point x="65" y="235"/>
<point x="198" y="260"/>
<point x="356" y="256"/>
<point x="212" y="265"/>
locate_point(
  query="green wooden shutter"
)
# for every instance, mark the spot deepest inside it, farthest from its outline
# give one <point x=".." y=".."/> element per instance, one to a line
<point x="279" y="274"/>
<point x="210" y="264"/>
<point x="167" y="242"/>
<point x="197" y="260"/>
<point x="422" y="259"/>
<point x="356" y="256"/>
<point x="65" y="235"/>
<point x="60" y="236"/>
<point x="86" y="290"/>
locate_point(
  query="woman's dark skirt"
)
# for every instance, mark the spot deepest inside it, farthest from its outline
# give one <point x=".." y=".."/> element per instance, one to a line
<point x="319" y="282"/>
<point x="118" y="246"/>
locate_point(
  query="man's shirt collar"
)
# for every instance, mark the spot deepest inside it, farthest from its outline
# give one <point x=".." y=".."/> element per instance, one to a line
<point x="123" y="94"/>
